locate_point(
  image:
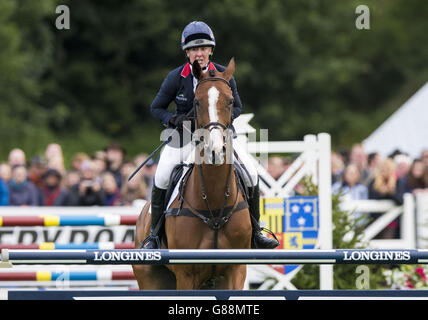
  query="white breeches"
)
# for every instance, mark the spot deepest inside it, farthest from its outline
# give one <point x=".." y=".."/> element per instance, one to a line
<point x="170" y="157"/>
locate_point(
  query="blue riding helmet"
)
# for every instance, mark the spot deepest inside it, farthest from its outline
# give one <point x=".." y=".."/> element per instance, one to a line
<point x="197" y="34"/>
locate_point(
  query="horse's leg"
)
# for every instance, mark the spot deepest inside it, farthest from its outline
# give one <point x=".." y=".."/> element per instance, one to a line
<point x="187" y="281"/>
<point x="238" y="277"/>
<point x="150" y="277"/>
<point x="154" y="277"/>
<point x="231" y="278"/>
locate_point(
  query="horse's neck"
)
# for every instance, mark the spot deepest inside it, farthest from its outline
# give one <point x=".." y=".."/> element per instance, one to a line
<point x="215" y="179"/>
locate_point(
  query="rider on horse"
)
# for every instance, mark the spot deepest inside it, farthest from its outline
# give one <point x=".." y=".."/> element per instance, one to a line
<point x="198" y="42"/>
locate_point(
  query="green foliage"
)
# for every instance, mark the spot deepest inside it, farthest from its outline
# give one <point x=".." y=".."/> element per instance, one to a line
<point x="344" y="275"/>
<point x="301" y="66"/>
<point x="24" y="55"/>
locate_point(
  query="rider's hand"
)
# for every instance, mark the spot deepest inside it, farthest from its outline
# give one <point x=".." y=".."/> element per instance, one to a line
<point x="178" y="120"/>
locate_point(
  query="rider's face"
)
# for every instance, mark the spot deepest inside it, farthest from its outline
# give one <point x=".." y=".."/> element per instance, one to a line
<point x="200" y="54"/>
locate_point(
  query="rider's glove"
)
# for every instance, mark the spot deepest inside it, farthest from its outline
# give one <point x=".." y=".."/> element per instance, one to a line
<point x="178" y="120"/>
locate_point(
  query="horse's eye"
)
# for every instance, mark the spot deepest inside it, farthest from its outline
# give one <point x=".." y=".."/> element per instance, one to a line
<point x="231" y="102"/>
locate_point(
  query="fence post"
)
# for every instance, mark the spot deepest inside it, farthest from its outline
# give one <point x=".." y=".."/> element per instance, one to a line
<point x="311" y="156"/>
<point x="408" y="232"/>
<point x="325" y="209"/>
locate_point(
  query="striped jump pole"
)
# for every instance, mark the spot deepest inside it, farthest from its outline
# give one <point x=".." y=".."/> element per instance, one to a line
<point x="46" y="276"/>
<point x="245" y="256"/>
<point x="69" y="246"/>
<point x="62" y="221"/>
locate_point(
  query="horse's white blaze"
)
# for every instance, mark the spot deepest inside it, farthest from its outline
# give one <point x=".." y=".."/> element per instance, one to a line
<point x="212" y="103"/>
<point x="216" y="136"/>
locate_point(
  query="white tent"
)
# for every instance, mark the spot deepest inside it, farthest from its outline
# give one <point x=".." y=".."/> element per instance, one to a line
<point x="406" y="129"/>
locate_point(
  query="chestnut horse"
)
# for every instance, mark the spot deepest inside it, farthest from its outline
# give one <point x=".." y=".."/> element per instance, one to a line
<point x="211" y="187"/>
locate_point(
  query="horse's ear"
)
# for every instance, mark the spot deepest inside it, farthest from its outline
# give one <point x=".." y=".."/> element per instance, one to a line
<point x="196" y="69"/>
<point x="228" y="73"/>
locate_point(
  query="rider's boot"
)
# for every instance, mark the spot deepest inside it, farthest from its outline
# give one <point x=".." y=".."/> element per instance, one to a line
<point x="158" y="201"/>
<point x="259" y="239"/>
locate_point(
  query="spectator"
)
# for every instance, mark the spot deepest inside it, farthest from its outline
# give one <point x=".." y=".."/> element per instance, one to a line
<point x="287" y="161"/>
<point x="99" y="159"/>
<point x="77" y="160"/>
<point x="424" y="157"/>
<point x="147" y="172"/>
<point x="125" y="170"/>
<point x="90" y="193"/>
<point x="55" y="158"/>
<point x="417" y="179"/>
<point x="17" y="158"/>
<point x="373" y="160"/>
<point x="139" y="159"/>
<point x="52" y="194"/>
<point x="350" y="186"/>
<point x="22" y="192"/>
<point x="359" y="157"/>
<point x="403" y="163"/>
<point x="72" y="180"/>
<point x="394" y="153"/>
<point x="115" y="156"/>
<point x="276" y="167"/>
<point x="111" y="191"/>
<point x="4" y="193"/>
<point x="337" y="167"/>
<point x="135" y="189"/>
<point x="386" y="186"/>
<point x="36" y="171"/>
<point x="5" y="172"/>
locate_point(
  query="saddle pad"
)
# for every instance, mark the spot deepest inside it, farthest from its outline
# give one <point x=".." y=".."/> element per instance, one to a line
<point x="175" y="192"/>
<point x="190" y="160"/>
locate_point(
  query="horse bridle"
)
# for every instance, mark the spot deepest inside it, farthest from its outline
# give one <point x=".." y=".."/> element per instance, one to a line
<point x="214" y="223"/>
<point x="216" y="124"/>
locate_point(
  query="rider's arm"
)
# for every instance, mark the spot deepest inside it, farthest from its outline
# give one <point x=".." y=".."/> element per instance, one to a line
<point x="237" y="106"/>
<point x="164" y="97"/>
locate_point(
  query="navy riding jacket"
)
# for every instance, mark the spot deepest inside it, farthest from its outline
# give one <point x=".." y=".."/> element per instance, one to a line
<point x="178" y="87"/>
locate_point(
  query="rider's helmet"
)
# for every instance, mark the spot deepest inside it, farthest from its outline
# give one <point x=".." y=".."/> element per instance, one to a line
<point x="197" y="34"/>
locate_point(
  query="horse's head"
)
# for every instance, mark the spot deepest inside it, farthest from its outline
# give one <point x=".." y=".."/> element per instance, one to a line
<point x="213" y="110"/>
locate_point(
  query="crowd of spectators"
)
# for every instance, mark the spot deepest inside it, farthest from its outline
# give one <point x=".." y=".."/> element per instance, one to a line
<point x="357" y="175"/>
<point x="99" y="179"/>
<point x="361" y="176"/>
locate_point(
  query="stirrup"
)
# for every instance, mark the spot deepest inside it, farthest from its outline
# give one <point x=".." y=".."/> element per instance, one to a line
<point x="151" y="242"/>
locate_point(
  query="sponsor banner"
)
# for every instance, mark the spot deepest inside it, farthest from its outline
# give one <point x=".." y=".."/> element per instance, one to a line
<point x="66" y="235"/>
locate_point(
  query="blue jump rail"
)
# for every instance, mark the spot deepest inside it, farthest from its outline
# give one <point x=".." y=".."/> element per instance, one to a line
<point x="244" y="256"/>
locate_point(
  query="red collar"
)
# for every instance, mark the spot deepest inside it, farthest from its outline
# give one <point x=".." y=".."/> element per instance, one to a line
<point x="186" y="70"/>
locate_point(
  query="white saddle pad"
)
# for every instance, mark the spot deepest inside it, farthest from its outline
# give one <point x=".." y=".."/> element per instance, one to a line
<point x="190" y="159"/>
